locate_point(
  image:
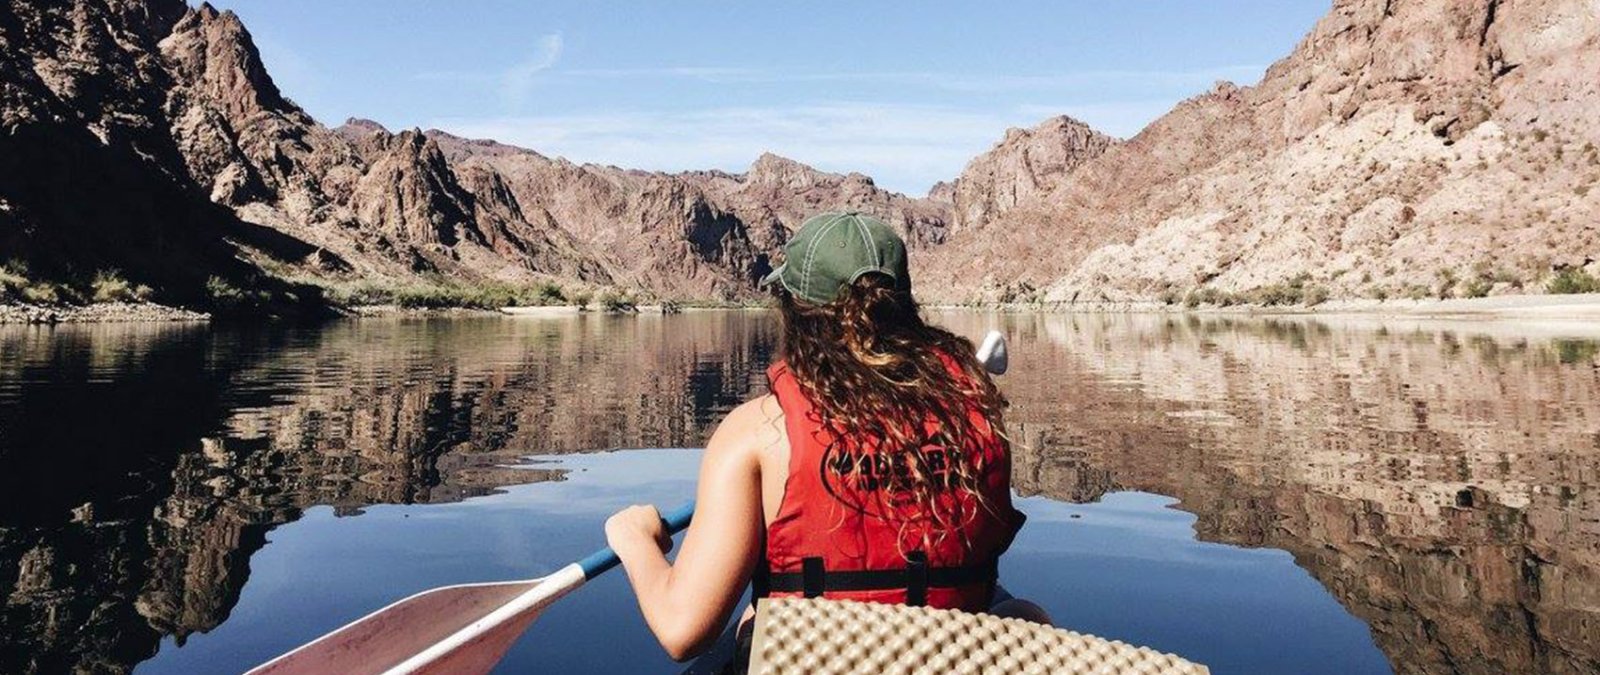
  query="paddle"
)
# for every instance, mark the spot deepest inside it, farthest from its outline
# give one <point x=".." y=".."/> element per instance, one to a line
<point x="453" y="629"/>
<point x="468" y="628"/>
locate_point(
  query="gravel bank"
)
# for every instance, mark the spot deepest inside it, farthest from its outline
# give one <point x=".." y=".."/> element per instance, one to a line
<point x="101" y="312"/>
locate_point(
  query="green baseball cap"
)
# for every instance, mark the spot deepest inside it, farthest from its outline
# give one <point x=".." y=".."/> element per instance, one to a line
<point x="832" y="250"/>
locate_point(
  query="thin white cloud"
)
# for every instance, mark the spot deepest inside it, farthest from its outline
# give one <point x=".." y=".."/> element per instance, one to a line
<point x="706" y="73"/>
<point x="960" y="82"/>
<point x="513" y="84"/>
<point x="518" y="81"/>
<point x="905" y="147"/>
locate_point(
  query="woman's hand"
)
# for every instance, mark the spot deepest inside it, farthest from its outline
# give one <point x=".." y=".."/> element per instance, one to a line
<point x="686" y="603"/>
<point x="632" y="526"/>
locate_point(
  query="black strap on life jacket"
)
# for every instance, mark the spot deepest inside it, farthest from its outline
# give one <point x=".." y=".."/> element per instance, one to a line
<point x="916" y="577"/>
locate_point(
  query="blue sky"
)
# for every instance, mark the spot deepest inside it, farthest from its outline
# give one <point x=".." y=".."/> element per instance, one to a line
<point x="904" y="92"/>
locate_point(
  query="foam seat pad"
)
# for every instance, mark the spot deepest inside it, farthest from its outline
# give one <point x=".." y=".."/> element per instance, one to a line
<point x="839" y="636"/>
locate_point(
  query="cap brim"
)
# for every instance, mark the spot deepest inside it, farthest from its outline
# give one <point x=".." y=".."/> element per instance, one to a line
<point x="772" y="277"/>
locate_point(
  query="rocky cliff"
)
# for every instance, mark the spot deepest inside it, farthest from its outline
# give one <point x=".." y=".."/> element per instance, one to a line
<point x="91" y="174"/>
<point x="1403" y="145"/>
<point x="696" y="234"/>
<point x="1026" y="164"/>
<point x="143" y="134"/>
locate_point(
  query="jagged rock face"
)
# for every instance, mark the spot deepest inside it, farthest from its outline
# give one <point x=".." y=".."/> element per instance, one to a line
<point x="1026" y="164"/>
<point x="90" y="176"/>
<point x="183" y="94"/>
<point x="1401" y="140"/>
<point x="410" y="193"/>
<point x="695" y="234"/>
<point x="377" y="203"/>
<point x="161" y="119"/>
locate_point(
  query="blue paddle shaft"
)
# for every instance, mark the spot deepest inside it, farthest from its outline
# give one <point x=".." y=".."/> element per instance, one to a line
<point x="604" y="559"/>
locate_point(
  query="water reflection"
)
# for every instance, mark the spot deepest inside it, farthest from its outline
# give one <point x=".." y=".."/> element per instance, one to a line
<point x="1440" y="482"/>
<point x="144" y="465"/>
<point x="1437" y="479"/>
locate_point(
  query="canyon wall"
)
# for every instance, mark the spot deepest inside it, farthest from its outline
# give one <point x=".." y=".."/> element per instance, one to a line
<point x="1403" y="145"/>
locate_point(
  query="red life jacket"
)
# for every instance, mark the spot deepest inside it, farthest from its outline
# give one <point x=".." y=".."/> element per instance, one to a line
<point x="819" y="545"/>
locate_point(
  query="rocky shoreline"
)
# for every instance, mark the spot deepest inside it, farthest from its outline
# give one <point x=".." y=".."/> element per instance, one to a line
<point x="105" y="312"/>
<point x="1575" y="307"/>
<point x="1581" y="306"/>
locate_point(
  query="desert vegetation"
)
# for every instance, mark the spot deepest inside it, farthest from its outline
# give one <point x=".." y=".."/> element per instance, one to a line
<point x="1573" y="280"/>
<point x="1298" y="290"/>
<point x="18" y="285"/>
<point x="614" y="301"/>
<point x="443" y="293"/>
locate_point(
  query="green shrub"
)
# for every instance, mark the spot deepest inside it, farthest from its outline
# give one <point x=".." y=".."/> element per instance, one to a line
<point x="1315" y="295"/>
<point x="581" y="299"/>
<point x="109" y="286"/>
<point x="1447" y="282"/>
<point x="13" y="279"/>
<point x="490" y="297"/>
<point x="1477" y="288"/>
<point x="1379" y="293"/>
<point x="362" y="293"/>
<point x="1209" y="296"/>
<point x="224" y="295"/>
<point x="426" y="297"/>
<point x="444" y="294"/>
<point x="44" y="293"/>
<point x="612" y="301"/>
<point x="1572" y="280"/>
<point x="549" y="294"/>
<point x="1291" y="292"/>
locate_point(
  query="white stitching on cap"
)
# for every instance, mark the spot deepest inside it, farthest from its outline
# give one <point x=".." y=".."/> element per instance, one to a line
<point x="862" y="228"/>
<point x="811" y="257"/>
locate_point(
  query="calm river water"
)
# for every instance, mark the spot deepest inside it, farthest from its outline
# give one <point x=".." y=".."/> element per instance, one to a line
<point x="1290" y="495"/>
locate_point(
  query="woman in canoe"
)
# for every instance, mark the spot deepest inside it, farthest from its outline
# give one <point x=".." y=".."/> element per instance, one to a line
<point x="876" y="469"/>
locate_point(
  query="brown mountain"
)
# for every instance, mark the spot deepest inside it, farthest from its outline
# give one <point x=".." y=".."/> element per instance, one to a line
<point x="1403" y="144"/>
<point x="179" y="96"/>
<point x="1406" y="146"/>
<point x="696" y="234"/>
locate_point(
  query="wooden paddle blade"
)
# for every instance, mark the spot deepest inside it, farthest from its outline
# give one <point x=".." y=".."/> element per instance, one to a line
<point x="381" y="640"/>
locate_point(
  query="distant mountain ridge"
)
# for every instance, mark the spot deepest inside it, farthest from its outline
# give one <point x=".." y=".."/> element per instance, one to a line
<point x="1440" y="145"/>
<point x="182" y="95"/>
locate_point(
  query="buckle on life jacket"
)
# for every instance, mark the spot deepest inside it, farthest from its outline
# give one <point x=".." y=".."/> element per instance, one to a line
<point x="916" y="577"/>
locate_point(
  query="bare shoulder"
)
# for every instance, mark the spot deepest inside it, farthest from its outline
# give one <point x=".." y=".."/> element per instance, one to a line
<point x="755" y="425"/>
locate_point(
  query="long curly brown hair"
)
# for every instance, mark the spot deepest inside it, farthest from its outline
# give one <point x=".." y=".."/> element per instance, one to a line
<point x="872" y="368"/>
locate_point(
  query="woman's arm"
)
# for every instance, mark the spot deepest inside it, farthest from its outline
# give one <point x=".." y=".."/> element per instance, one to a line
<point x="687" y="603"/>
